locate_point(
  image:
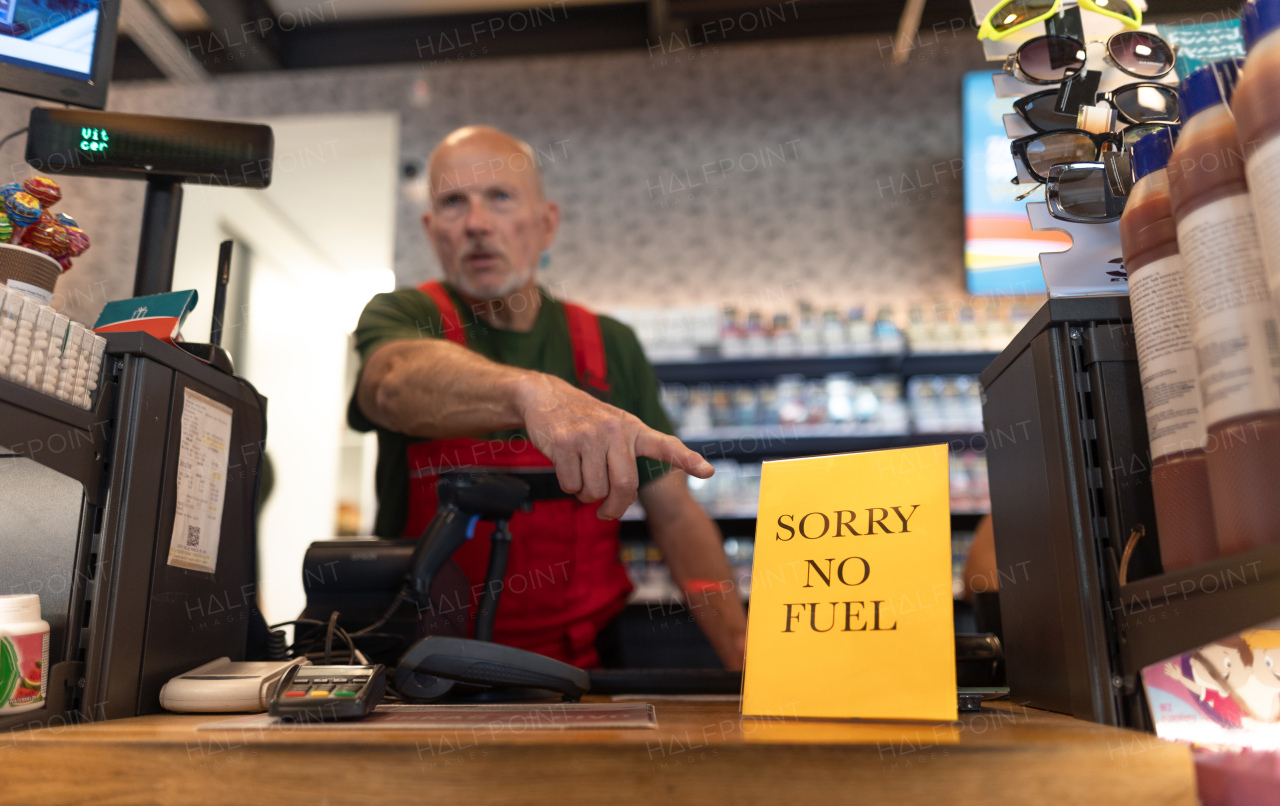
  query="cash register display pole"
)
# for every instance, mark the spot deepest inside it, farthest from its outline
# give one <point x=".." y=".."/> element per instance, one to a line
<point x="158" y="245"/>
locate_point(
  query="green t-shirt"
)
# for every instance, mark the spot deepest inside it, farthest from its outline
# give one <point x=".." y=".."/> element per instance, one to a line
<point x="411" y="314"/>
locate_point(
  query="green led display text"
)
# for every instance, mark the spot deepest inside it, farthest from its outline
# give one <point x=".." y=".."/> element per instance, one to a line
<point x="94" y="139"/>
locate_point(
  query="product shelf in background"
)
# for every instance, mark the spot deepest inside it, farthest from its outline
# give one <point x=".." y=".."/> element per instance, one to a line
<point x="653" y="587"/>
<point x="715" y="369"/>
<point x="732" y="495"/>
<point x="833" y="414"/>
<point x="699" y="343"/>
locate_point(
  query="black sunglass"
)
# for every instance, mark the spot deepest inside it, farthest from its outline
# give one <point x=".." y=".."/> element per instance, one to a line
<point x="1047" y="59"/>
<point x="1081" y="192"/>
<point x="1143" y="102"/>
<point x="1040" y="112"/>
<point x="1054" y="58"/>
<point x="1040" y="152"/>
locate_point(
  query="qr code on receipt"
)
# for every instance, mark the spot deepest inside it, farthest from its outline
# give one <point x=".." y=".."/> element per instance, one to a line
<point x="193" y="536"/>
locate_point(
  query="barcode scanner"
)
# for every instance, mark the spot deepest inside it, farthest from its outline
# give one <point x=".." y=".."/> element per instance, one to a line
<point x="466" y="499"/>
<point x="437" y="666"/>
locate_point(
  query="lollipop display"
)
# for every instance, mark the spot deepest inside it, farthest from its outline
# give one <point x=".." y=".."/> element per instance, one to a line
<point x="28" y="220"/>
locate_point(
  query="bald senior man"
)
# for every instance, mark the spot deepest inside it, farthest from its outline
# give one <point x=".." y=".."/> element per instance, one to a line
<point x="487" y="371"/>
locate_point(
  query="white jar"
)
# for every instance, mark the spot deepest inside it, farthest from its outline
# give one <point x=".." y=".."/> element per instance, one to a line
<point x="24" y="654"/>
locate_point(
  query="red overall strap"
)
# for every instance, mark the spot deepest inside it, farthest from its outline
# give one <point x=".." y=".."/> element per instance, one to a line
<point x="589" y="362"/>
<point x="588" y="348"/>
<point x="449" y="319"/>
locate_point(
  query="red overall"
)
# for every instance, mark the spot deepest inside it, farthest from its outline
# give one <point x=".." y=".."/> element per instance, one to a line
<point x="564" y="579"/>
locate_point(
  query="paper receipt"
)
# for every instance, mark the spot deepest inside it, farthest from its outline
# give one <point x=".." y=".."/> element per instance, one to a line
<point x="202" y="483"/>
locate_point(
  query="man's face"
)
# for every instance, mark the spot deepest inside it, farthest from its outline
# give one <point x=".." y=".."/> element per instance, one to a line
<point x="488" y="221"/>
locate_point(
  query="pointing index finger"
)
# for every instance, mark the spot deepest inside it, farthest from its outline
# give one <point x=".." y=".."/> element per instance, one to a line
<point x="666" y="448"/>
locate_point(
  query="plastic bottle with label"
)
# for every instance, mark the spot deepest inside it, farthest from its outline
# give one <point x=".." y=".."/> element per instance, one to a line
<point x="1233" y="322"/>
<point x="1256" y="106"/>
<point x="1167" y="361"/>
<point x="24" y="654"/>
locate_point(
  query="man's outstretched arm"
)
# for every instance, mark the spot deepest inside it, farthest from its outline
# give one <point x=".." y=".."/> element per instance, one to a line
<point x="694" y="551"/>
<point x="437" y="389"/>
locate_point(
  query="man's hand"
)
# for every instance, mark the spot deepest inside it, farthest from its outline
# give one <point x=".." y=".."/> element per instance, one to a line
<point x="594" y="445"/>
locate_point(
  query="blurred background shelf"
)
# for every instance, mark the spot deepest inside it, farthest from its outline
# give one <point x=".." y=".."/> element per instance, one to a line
<point x="714" y="369"/>
<point x="777" y="443"/>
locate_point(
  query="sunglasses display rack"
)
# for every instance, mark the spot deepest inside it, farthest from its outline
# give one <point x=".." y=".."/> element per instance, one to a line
<point x="1093" y="264"/>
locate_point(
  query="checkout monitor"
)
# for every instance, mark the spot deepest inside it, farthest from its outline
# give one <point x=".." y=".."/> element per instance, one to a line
<point x="61" y="50"/>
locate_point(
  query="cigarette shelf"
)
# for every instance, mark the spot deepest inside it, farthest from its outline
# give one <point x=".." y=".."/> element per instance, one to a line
<point x="724" y="370"/>
<point x="779" y="442"/>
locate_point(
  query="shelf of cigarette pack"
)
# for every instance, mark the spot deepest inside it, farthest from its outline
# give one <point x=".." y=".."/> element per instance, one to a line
<point x="1167" y="615"/>
<point x="635" y="512"/>
<point x="764" y="442"/>
<point x="711" y="368"/>
<point x="925" y="363"/>
<point x="744" y="517"/>
<point x="665" y="592"/>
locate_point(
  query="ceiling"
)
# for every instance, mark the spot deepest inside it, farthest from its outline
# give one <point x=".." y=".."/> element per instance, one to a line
<point x="302" y="34"/>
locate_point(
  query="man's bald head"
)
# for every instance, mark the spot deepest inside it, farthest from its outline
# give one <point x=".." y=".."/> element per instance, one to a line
<point x="472" y="153"/>
<point x="489" y="219"/>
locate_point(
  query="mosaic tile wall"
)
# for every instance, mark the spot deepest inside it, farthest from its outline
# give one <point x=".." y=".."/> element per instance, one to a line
<point x="813" y="168"/>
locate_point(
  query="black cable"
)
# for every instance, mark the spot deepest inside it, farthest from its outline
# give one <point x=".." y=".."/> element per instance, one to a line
<point x="391" y="611"/>
<point x="277" y="649"/>
<point x="294" y="648"/>
<point x="9" y="137"/>
<point x="328" y="639"/>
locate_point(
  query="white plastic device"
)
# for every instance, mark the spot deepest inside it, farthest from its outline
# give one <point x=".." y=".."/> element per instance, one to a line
<point x="225" y="686"/>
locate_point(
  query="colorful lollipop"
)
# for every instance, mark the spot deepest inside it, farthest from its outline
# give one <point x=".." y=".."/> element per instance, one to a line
<point x="59" y="242"/>
<point x="65" y="263"/>
<point x="78" y="241"/>
<point x="6" y="228"/>
<point x="66" y="220"/>
<point x="8" y="190"/>
<point x="23" y="209"/>
<point x="44" y="189"/>
<point x="40" y="236"/>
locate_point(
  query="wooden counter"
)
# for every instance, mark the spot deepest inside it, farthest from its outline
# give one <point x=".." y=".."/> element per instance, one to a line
<point x="701" y="752"/>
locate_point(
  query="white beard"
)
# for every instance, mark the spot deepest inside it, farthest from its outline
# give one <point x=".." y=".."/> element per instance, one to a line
<point x="517" y="281"/>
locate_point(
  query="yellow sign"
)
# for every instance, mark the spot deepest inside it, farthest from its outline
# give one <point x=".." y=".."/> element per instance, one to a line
<point x="851" y="589"/>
